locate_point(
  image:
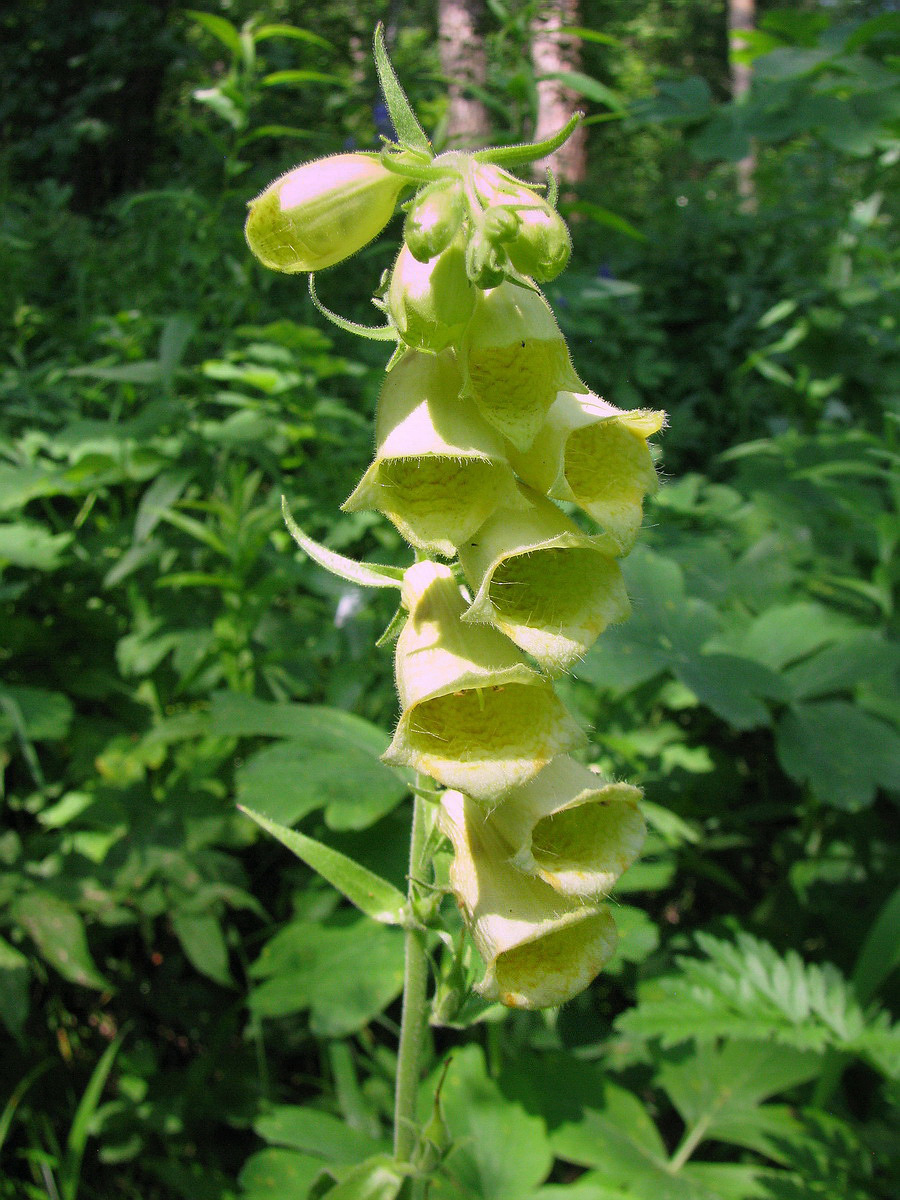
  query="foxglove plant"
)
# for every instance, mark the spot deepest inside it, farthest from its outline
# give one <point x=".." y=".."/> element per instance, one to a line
<point x="482" y="426"/>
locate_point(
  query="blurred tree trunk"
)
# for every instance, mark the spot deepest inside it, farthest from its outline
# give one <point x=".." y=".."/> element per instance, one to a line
<point x="464" y="62"/>
<point x="553" y="52"/>
<point x="741" y="19"/>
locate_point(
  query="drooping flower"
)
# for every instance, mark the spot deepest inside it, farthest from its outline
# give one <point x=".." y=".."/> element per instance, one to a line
<point x="439" y="470"/>
<point x="575" y="830"/>
<point x="541" y="581"/>
<point x="596" y="455"/>
<point x="321" y="212"/>
<point x="515" y="361"/>
<point x="540" y="948"/>
<point x="474" y="715"/>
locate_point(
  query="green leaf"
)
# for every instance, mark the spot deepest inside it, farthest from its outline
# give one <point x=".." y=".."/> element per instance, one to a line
<point x="32" y="547"/>
<point x="485" y="1124"/>
<point x="785" y="633"/>
<point x="843" y="665"/>
<point x="732" y="687"/>
<point x="603" y="216"/>
<point x="373" y="895"/>
<point x="290" y="779"/>
<point x="149" y="371"/>
<point x="14" y="976"/>
<point x="379" y="1178"/>
<point x="204" y="944"/>
<point x="70" y="1167"/>
<point x="226" y="33"/>
<point x="315" y="1132"/>
<point x="590" y="35"/>
<point x="295" y="77"/>
<point x="843" y="753"/>
<point x="293" y="32"/>
<point x="879" y="955"/>
<point x="587" y="86"/>
<point x="715" y="1088"/>
<point x="58" y="932"/>
<point x="365" y="574"/>
<point x="410" y="133"/>
<point x="345" y="974"/>
<point x="277" y="1174"/>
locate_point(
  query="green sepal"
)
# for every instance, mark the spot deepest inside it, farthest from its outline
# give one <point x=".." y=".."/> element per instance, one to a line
<point x="364" y="574"/>
<point x="397" y="621"/>
<point x="409" y="131"/>
<point x="529" y="151"/>
<point x="370" y="893"/>
<point x="374" y="333"/>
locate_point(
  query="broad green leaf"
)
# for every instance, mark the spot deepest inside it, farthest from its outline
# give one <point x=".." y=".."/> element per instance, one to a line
<point x="204" y="944"/>
<point x="34" y="713"/>
<point x="286" y="781"/>
<point x="880" y="952"/>
<point x="365" y="574"/>
<point x="841" y="666"/>
<point x="233" y="714"/>
<point x="715" y="1088"/>
<point x="58" y="932"/>
<point x="19" y="485"/>
<point x="315" y="1132"/>
<point x="486" y="1126"/>
<point x="277" y="1174"/>
<point x="732" y="687"/>
<point x="373" y="895"/>
<point x="32" y="547"/>
<point x="740" y="1181"/>
<point x="584" y="1188"/>
<point x="380" y="1178"/>
<point x="345" y="974"/>
<point x="638" y="937"/>
<point x="409" y="132"/>
<point x="844" y="754"/>
<point x="786" y="633"/>
<point x="14" y="977"/>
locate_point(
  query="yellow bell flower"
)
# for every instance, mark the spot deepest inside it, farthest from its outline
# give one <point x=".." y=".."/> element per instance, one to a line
<point x="540" y="948"/>
<point x="439" y="470"/>
<point x="474" y="715"/>
<point x="596" y="455"/>
<point x="541" y="581"/>
<point x="430" y="303"/>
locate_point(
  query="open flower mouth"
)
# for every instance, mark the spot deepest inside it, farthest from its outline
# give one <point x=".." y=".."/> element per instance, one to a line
<point x="488" y="740"/>
<point x="438" y="501"/>
<point x="583" y="850"/>
<point x="610" y="470"/>
<point x="555" y="966"/>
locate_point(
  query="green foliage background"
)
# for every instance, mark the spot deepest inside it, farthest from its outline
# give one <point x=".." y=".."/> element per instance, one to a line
<point x="188" y="1011"/>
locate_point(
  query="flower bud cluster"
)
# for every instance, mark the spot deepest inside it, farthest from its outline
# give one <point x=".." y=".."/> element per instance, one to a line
<point x="482" y="426"/>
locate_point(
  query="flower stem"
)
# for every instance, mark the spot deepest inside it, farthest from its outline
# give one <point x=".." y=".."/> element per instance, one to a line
<point x="415" y="984"/>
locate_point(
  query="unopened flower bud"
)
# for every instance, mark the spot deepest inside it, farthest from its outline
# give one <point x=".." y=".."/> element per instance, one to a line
<point x="596" y="455"/>
<point x="516" y="360"/>
<point x="322" y="212"/>
<point x="434" y="219"/>
<point x="474" y="715"/>
<point x="540" y="948"/>
<point x="439" y="470"/>
<point x="575" y="830"/>
<point x="542" y="245"/>
<point x="431" y="303"/>
<point x="541" y="581"/>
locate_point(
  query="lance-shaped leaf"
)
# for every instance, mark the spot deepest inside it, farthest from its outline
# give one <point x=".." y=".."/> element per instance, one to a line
<point x="365" y="574"/>
<point x="409" y="131"/>
<point x="540" y="948"/>
<point x="596" y="455"/>
<point x="474" y="715"/>
<point x="369" y="892"/>
<point x="516" y="360"/>
<point x="439" y="470"/>
<point x="543" y="582"/>
<point x="573" y="829"/>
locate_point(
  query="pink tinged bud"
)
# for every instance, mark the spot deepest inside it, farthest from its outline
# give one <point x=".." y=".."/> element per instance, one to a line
<point x="575" y="830"/>
<point x="515" y="360"/>
<point x="321" y="212"/>
<point x="439" y="470"/>
<point x="540" y="246"/>
<point x="434" y="219"/>
<point x="540" y="948"/>
<point x="595" y="455"/>
<point x="474" y="715"/>
<point x="542" y="582"/>
<point x="431" y="303"/>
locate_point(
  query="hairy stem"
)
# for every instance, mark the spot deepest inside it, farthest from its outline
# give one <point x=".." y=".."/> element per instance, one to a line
<point x="415" y="984"/>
